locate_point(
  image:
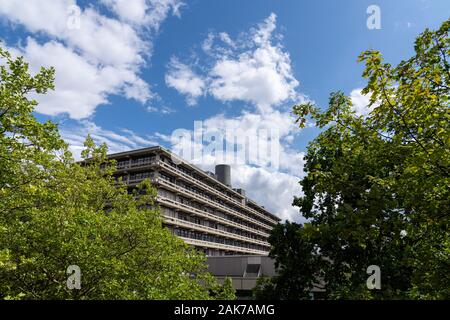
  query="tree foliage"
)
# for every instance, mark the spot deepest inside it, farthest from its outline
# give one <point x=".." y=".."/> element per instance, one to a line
<point x="55" y="212"/>
<point x="376" y="189"/>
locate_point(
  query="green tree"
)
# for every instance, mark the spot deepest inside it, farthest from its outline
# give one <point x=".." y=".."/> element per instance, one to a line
<point x="224" y="291"/>
<point x="55" y="212"/>
<point x="377" y="187"/>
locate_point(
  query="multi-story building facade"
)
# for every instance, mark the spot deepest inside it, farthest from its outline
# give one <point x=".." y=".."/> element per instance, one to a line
<point x="200" y="207"/>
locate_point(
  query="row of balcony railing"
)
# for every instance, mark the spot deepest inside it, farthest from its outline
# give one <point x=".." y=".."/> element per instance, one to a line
<point x="139" y="177"/>
<point x="207" y="244"/>
<point x="211" y="241"/>
<point x="204" y="199"/>
<point x="124" y="164"/>
<point x="207" y="215"/>
<point x="136" y="178"/>
<point x="174" y="187"/>
<point x="216" y="192"/>
<point x="219" y="233"/>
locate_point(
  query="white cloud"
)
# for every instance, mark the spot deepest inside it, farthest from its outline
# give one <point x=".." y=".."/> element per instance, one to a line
<point x="275" y="190"/>
<point x="263" y="34"/>
<point x="184" y="80"/>
<point x="208" y="43"/>
<point x="160" y="109"/>
<point x="254" y="70"/>
<point x="226" y="39"/>
<point x="360" y="102"/>
<point x="117" y="141"/>
<point x="261" y="75"/>
<point x="131" y="11"/>
<point x="99" y="39"/>
<point x="273" y="187"/>
<point x="95" y="56"/>
<point x="79" y="85"/>
<point x="250" y="124"/>
<point x="48" y="16"/>
<point x="146" y="13"/>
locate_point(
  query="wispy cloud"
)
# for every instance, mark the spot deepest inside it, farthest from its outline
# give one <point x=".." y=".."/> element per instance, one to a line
<point x="181" y="77"/>
<point x="116" y="140"/>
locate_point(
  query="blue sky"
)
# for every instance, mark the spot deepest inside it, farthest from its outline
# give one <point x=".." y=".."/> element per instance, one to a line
<point x="131" y="73"/>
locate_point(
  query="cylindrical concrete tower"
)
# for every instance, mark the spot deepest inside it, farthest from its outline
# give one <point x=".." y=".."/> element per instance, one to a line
<point x="223" y="173"/>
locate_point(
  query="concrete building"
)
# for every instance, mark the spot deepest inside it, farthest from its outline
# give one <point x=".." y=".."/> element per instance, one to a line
<point x="244" y="271"/>
<point x="200" y="207"/>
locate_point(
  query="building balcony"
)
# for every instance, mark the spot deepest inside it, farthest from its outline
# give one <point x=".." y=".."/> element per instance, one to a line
<point x="225" y="247"/>
<point x="206" y="215"/>
<point x="205" y="229"/>
<point x="188" y="178"/>
<point x="189" y="194"/>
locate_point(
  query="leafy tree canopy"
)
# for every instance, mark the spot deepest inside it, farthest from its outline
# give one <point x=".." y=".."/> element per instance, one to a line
<point x="55" y="212"/>
<point x="376" y="189"/>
